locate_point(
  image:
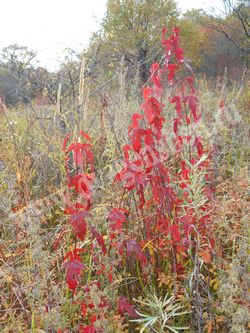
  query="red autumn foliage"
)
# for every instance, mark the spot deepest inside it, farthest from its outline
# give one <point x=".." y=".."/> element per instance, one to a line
<point x="159" y="222"/>
<point x="124" y="307"/>
<point x="160" y="186"/>
<point x="78" y="161"/>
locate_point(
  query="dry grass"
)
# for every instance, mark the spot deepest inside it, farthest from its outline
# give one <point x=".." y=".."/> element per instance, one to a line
<point x="33" y="295"/>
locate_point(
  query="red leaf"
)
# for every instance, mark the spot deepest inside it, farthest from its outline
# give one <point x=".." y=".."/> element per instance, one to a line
<point x="179" y="54"/>
<point x="135" y="118"/>
<point x="177" y="122"/>
<point x="171" y="71"/>
<point x="136" y="139"/>
<point x="81" y="153"/>
<point x="190" y="80"/>
<point x="72" y="208"/>
<point x="177" y="101"/>
<point x="99" y="239"/>
<point x="175" y="231"/>
<point x="65" y="141"/>
<point x="74" y="268"/>
<point x="147" y="92"/>
<point x="184" y="171"/>
<point x="199" y="146"/>
<point x="117" y="218"/>
<point x="124" y="307"/>
<point x="157" y="122"/>
<point x="180" y="269"/>
<point x="178" y="143"/>
<point x="156" y="73"/>
<point x="71" y="255"/>
<point x="222" y="104"/>
<point x="87" y="329"/>
<point x="110" y="277"/>
<point x="85" y="135"/>
<point x="137" y="135"/>
<point x="79" y="224"/>
<point x="83" y="309"/>
<point x="152" y="109"/>
<point x="140" y="193"/>
<point x="93" y="319"/>
<point x="192" y="103"/>
<point x="82" y="183"/>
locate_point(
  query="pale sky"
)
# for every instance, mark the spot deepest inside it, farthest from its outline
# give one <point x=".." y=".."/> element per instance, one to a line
<point x="50" y="26"/>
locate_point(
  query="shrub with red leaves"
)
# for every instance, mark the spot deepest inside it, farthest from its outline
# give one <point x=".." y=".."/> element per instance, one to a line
<point x="79" y="166"/>
<point x="156" y="222"/>
<point x="157" y="226"/>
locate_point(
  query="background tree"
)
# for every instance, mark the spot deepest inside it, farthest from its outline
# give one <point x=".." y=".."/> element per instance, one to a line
<point x="210" y="49"/>
<point x="69" y="75"/>
<point x="194" y="39"/>
<point x="234" y="24"/>
<point x="131" y="32"/>
<point x="21" y="79"/>
<point x="19" y="61"/>
<point x="8" y="86"/>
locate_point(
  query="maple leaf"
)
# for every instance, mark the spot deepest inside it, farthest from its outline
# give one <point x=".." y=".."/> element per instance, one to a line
<point x="175" y="231"/>
<point x="117" y="218"/>
<point x="177" y="101"/>
<point x="171" y="71"/>
<point x="137" y="136"/>
<point x="136" y="139"/>
<point x="190" y="80"/>
<point x="178" y="143"/>
<point x="135" y="121"/>
<point x="178" y="52"/>
<point x="156" y="73"/>
<point x="72" y="208"/>
<point x="65" y="141"/>
<point x="140" y="193"/>
<point x="124" y="307"/>
<point x="82" y="153"/>
<point x="82" y="183"/>
<point x="85" y="135"/>
<point x="193" y="106"/>
<point x="158" y="123"/>
<point x="180" y="269"/>
<point x="71" y="255"/>
<point x="87" y="329"/>
<point x="177" y="122"/>
<point x="184" y="171"/>
<point x="152" y="108"/>
<point x="79" y="224"/>
<point x="147" y="92"/>
<point x="83" y="309"/>
<point x="74" y="268"/>
<point x="99" y="239"/>
<point x="199" y="146"/>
